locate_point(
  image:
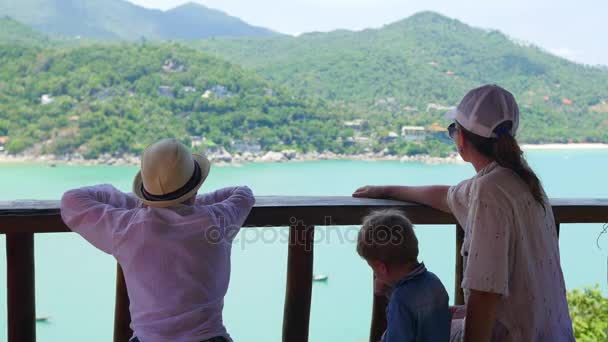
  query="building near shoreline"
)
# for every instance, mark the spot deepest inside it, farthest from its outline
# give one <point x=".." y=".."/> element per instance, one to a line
<point x="3" y="141"/>
<point x="413" y="133"/>
<point x="436" y="131"/>
<point x="389" y="138"/>
<point x="243" y="146"/>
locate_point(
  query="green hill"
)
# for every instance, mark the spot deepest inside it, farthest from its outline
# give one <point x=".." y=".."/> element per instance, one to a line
<point x="13" y="32"/>
<point x="118" y="99"/>
<point x="193" y="21"/>
<point x="121" y="20"/>
<point x="283" y="92"/>
<point x="398" y="74"/>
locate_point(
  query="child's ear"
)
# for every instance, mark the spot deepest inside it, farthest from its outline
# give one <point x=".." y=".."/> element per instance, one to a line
<point x="379" y="267"/>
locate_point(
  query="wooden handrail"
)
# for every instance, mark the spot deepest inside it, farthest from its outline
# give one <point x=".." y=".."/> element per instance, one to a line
<point x="20" y="220"/>
<point x="278" y="211"/>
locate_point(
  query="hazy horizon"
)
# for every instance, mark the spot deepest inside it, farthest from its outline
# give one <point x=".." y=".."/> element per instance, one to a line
<point x="562" y="28"/>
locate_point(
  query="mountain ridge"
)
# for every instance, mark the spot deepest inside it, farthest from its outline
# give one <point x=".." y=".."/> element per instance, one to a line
<point x="122" y="20"/>
<point x="397" y="72"/>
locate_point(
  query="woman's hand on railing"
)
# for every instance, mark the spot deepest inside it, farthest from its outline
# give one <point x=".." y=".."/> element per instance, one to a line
<point x="370" y="191"/>
<point x="431" y="195"/>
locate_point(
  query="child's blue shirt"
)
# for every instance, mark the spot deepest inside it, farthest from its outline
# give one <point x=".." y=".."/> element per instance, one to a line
<point x="418" y="309"/>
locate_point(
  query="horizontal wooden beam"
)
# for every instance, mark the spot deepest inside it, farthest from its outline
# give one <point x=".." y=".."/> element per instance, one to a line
<point x="280" y="211"/>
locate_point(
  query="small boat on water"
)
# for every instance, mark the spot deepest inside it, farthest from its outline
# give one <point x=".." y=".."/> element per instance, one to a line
<point x="43" y="319"/>
<point x="320" y="277"/>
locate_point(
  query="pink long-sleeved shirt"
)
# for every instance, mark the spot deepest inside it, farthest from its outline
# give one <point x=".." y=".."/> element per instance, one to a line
<point x="176" y="261"/>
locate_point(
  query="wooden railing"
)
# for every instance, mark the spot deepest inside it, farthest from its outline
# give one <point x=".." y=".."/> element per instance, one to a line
<point x="20" y="220"/>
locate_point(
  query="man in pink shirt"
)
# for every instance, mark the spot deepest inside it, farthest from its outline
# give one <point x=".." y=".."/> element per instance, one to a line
<point x="173" y="246"/>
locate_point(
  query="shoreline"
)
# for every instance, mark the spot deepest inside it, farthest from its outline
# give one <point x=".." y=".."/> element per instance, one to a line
<point x="572" y="146"/>
<point x="226" y="159"/>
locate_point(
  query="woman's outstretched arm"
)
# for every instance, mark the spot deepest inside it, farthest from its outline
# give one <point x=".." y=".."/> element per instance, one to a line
<point x="435" y="196"/>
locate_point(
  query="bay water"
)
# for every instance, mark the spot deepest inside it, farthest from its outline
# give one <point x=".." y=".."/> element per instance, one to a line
<point x="75" y="282"/>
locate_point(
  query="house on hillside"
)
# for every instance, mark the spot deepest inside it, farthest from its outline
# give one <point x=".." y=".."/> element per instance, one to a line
<point x="243" y="146"/>
<point x="220" y="91"/>
<point x="3" y="141"/>
<point x="413" y="133"/>
<point x="436" y="131"/>
<point x="391" y="137"/>
<point x="358" y="140"/>
<point x="165" y="91"/>
<point x="172" y="66"/>
<point x="355" y="124"/>
<point x="435" y="106"/>
<point x="46" y="99"/>
<point x="196" y="141"/>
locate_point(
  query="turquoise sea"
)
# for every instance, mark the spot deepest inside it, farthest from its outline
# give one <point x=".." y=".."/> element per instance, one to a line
<point x="75" y="282"/>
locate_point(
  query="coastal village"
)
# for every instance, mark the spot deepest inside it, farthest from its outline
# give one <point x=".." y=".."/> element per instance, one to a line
<point x="242" y="151"/>
<point x="364" y="136"/>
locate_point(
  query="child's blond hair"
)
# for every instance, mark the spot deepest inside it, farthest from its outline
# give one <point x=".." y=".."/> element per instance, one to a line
<point x="387" y="236"/>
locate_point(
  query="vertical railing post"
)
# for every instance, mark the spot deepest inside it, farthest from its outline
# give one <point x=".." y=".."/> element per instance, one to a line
<point x="122" y="317"/>
<point x="459" y="271"/>
<point x="378" y="317"/>
<point x="21" y="288"/>
<point x="296" y="314"/>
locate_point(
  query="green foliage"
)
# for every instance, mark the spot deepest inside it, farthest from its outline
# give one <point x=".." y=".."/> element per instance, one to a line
<point x="14" y="32"/>
<point x="395" y="74"/>
<point x="118" y="99"/>
<point x="589" y="312"/>
<point x="17" y="145"/>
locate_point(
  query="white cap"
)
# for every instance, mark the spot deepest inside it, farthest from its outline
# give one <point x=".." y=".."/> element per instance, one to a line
<point x="483" y="109"/>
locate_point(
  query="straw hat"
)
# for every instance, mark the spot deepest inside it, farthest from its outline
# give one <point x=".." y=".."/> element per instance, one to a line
<point x="169" y="174"/>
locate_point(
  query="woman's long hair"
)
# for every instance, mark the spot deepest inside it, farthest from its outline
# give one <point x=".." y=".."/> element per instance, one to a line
<point x="506" y="152"/>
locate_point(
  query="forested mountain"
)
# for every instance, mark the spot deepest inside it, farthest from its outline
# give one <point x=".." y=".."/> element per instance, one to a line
<point x="13" y="32"/>
<point x="404" y="71"/>
<point x="122" y="20"/>
<point x="343" y="91"/>
<point x="118" y="99"/>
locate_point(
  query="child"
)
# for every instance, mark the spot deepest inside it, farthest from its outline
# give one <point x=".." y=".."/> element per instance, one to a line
<point x="418" y="303"/>
<point x="174" y="248"/>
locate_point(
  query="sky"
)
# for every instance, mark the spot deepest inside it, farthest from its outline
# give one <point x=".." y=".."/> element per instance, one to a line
<point x="576" y="30"/>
